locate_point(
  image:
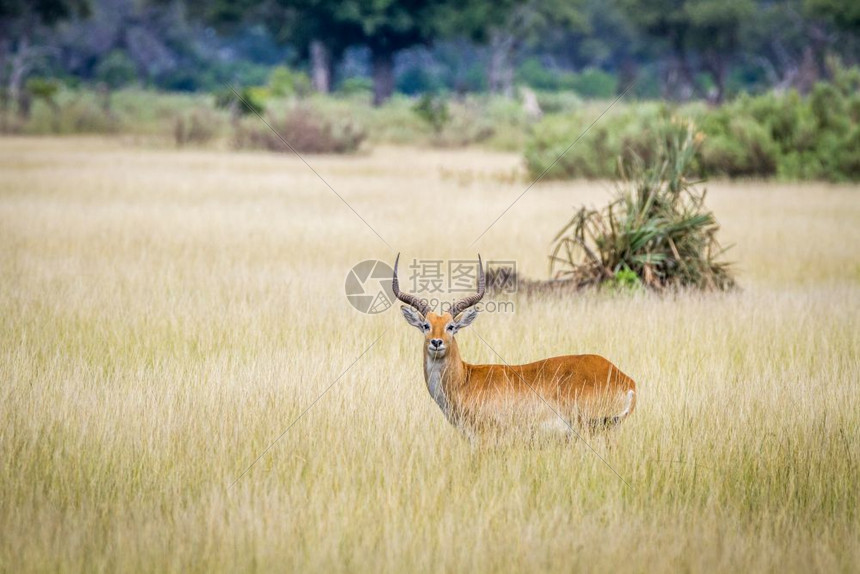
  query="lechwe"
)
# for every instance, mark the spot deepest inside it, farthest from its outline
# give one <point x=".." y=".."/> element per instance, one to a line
<point x="553" y="394"/>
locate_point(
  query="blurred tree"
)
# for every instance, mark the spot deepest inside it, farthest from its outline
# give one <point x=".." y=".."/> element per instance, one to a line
<point x="844" y="14"/>
<point x="506" y="26"/>
<point x="699" y="35"/>
<point x="384" y="26"/>
<point x="325" y="28"/>
<point x="20" y="21"/>
<point x="116" y="70"/>
<point x="315" y="29"/>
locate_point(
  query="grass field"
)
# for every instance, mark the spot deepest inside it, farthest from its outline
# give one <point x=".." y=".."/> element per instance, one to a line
<point x="165" y="316"/>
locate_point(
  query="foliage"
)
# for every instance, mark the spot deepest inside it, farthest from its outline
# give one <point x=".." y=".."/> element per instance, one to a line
<point x="286" y="82"/>
<point x="590" y="83"/>
<point x="418" y="79"/>
<point x="705" y="30"/>
<point x="558" y="102"/>
<point x="355" y="85"/>
<point x="783" y="135"/>
<point x="656" y="227"/>
<point x="594" y="83"/>
<point x="574" y="145"/>
<point x="248" y="101"/>
<point x="625" y="279"/>
<point x="433" y="110"/>
<point x="43" y="88"/>
<point x="116" y="70"/>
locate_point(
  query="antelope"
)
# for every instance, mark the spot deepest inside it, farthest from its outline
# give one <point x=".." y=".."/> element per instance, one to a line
<point x="551" y="394"/>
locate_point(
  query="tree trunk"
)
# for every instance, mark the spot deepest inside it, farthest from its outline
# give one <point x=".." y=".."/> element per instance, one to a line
<point x="320" y="67"/>
<point x="500" y="73"/>
<point x="808" y="73"/>
<point x="689" y="86"/>
<point x="19" y="69"/>
<point x="383" y="76"/>
<point x="627" y="73"/>
<point x="716" y="66"/>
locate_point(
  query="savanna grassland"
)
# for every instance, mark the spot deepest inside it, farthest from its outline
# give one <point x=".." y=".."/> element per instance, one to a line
<point x="166" y="315"/>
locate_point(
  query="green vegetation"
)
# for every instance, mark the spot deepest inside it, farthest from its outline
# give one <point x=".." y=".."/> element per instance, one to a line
<point x="782" y="135"/>
<point x="590" y="83"/>
<point x="434" y="111"/>
<point x="656" y="227"/>
<point x="787" y="136"/>
<point x="674" y="49"/>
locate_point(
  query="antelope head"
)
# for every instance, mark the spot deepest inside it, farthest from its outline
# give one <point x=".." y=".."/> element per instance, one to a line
<point x="439" y="330"/>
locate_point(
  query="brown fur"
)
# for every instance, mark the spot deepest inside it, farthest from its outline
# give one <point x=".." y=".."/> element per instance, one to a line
<point x="579" y="388"/>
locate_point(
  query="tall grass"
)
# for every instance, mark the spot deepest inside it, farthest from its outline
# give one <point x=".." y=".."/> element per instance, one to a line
<point x="164" y="318"/>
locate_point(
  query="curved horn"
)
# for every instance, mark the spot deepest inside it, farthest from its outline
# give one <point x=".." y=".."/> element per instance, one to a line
<point x="412" y="300"/>
<point x="463" y="304"/>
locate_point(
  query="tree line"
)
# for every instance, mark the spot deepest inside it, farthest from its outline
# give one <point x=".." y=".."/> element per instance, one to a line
<point x="673" y="49"/>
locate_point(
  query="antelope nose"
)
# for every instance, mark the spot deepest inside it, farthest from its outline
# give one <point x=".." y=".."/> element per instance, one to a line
<point x="436" y="343"/>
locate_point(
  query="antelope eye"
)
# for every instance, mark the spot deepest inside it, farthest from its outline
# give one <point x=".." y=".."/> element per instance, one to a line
<point x="450" y="327"/>
<point x="426" y="326"/>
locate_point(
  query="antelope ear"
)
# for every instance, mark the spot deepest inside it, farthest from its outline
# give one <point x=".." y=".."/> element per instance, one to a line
<point x="413" y="317"/>
<point x="465" y="318"/>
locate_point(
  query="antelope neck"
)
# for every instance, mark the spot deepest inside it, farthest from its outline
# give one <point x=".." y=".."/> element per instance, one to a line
<point x="442" y="375"/>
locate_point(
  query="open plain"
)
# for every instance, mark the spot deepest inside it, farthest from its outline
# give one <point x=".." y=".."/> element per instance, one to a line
<point x="165" y="316"/>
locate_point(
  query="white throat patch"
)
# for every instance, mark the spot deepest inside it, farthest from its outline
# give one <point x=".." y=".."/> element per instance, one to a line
<point x="433" y="375"/>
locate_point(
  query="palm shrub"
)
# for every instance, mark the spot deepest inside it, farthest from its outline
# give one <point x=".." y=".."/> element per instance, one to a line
<point x="656" y="226"/>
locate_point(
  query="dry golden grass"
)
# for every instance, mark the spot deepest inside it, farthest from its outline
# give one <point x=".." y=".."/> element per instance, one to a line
<point x="167" y="315"/>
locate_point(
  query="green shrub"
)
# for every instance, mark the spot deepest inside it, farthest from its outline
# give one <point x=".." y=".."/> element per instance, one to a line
<point x="249" y="101"/>
<point x="597" y="147"/>
<point x="558" y="102"/>
<point x="590" y="83"/>
<point x="783" y="135"/>
<point x="418" y="80"/>
<point x="625" y="279"/>
<point x="656" y="230"/>
<point x="116" y="70"/>
<point x="739" y="148"/>
<point x="46" y="90"/>
<point x="433" y="110"/>
<point x="284" y="82"/>
<point x="536" y="75"/>
<point x="354" y="86"/>
<point x="594" y="83"/>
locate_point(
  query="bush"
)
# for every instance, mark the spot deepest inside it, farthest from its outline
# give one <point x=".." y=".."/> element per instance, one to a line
<point x="250" y="101"/>
<point x="284" y="82"/>
<point x="782" y="135"/>
<point x="656" y="230"/>
<point x="305" y="130"/>
<point x="595" y="152"/>
<point x="558" y="102"/>
<point x="418" y="80"/>
<point x="197" y="128"/>
<point x="433" y="110"/>
<point x="740" y="148"/>
<point x="355" y="86"/>
<point x="537" y="76"/>
<point x="116" y="70"/>
<point x="594" y="83"/>
<point x="590" y="83"/>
